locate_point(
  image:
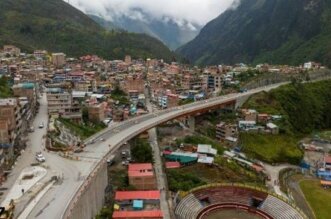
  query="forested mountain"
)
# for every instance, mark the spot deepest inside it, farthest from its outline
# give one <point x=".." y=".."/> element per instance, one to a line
<point x="56" y="26"/>
<point x="273" y="31"/>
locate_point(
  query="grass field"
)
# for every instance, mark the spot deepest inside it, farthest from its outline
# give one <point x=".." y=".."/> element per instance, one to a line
<point x="271" y="148"/>
<point x="318" y="198"/>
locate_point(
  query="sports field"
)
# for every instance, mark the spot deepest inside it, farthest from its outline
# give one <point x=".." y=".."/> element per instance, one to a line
<point x="318" y="198"/>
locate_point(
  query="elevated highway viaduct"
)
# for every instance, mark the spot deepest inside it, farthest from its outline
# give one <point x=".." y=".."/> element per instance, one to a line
<point x="88" y="198"/>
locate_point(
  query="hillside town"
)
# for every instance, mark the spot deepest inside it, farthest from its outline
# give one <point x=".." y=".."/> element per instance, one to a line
<point x="86" y="95"/>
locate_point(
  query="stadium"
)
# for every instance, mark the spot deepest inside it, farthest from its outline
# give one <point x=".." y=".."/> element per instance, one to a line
<point x="238" y="201"/>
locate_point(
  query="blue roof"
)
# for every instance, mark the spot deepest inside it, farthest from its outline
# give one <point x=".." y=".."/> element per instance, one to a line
<point x="4" y="145"/>
<point x="28" y="85"/>
<point x="138" y="204"/>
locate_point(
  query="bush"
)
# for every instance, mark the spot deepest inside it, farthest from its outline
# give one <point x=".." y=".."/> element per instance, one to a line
<point x="272" y="148"/>
<point x="182" y="181"/>
<point x="142" y="151"/>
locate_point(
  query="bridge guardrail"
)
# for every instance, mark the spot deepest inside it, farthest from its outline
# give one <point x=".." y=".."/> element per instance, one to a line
<point x="85" y="184"/>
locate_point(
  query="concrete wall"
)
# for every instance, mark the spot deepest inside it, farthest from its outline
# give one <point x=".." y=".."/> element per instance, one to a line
<point x="92" y="197"/>
<point x="241" y="101"/>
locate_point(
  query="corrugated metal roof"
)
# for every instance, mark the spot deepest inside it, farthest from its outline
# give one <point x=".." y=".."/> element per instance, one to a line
<point x="137" y="214"/>
<point x="172" y="165"/>
<point x="131" y="195"/>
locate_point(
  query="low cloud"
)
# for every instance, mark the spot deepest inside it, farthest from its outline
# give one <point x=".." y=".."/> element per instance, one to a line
<point x="194" y="11"/>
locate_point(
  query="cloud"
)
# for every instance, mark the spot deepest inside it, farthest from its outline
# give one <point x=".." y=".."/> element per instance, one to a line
<point x="194" y="11"/>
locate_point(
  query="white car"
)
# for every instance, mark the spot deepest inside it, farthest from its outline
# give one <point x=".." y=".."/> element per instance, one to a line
<point x="40" y="157"/>
<point x="41" y="125"/>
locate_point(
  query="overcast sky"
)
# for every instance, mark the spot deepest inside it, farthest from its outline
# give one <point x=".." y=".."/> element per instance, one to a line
<point x="194" y="11"/>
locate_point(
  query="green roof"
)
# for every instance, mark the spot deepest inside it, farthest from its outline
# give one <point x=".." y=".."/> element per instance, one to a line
<point x="180" y="158"/>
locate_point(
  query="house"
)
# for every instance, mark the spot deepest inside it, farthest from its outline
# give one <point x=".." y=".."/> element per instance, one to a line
<point x="246" y="125"/>
<point x="206" y="149"/>
<point x="141" y="176"/>
<point x="61" y="103"/>
<point x="263" y="118"/>
<point x="58" y="59"/>
<point x="249" y="114"/>
<point x="272" y="128"/>
<point x="96" y="113"/>
<point x="225" y="131"/>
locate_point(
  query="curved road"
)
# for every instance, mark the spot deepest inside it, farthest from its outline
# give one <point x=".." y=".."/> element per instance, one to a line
<point x="55" y="202"/>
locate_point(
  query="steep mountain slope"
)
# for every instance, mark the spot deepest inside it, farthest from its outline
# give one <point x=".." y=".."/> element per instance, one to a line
<point x="108" y="25"/>
<point x="273" y="31"/>
<point x="166" y="30"/>
<point x="56" y="26"/>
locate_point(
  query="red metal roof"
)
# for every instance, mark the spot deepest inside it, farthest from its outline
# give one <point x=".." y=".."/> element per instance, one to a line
<point x="137" y="214"/>
<point x="131" y="195"/>
<point x="327" y="159"/>
<point x="172" y="165"/>
<point x="140" y="166"/>
<point x="141" y="169"/>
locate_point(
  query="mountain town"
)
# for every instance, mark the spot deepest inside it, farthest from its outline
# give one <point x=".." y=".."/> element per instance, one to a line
<point x="99" y="122"/>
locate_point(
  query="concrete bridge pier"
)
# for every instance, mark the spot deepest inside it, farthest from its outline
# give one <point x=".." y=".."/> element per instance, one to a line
<point x="240" y="101"/>
<point x="191" y="123"/>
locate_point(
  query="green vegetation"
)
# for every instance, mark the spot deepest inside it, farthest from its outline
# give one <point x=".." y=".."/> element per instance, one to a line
<point x="189" y="177"/>
<point x="325" y="135"/>
<point x="247" y="75"/>
<point x="296" y="32"/>
<point x="105" y="213"/>
<point x="82" y="130"/>
<point x="119" y="95"/>
<point x="179" y="180"/>
<point x="186" y="101"/>
<point x="318" y="198"/>
<point x="305" y="108"/>
<point x="199" y="139"/>
<point x="5" y="90"/>
<point x="56" y="26"/>
<point x="272" y="148"/>
<point x="141" y="151"/>
<point x="119" y="179"/>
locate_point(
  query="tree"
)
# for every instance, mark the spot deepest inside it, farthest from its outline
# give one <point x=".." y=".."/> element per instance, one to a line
<point x="142" y="151"/>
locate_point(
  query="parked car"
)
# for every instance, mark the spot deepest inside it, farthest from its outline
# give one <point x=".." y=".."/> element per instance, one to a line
<point x="40" y="157"/>
<point x="41" y="125"/>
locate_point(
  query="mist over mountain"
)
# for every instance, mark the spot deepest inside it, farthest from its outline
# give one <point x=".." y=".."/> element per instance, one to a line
<point x="56" y="26"/>
<point x="273" y="31"/>
<point x="171" y="21"/>
<point x="170" y="32"/>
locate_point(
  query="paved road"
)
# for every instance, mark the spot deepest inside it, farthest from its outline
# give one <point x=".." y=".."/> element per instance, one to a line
<point x="55" y="201"/>
<point x="273" y="172"/>
<point x="34" y="144"/>
<point x="55" y="165"/>
<point x="116" y="135"/>
<point x="158" y="167"/>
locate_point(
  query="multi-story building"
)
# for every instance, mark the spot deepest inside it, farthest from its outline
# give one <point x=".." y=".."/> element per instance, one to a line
<point x="27" y="90"/>
<point x="61" y="103"/>
<point x="127" y="59"/>
<point x="58" y="59"/>
<point x="134" y="82"/>
<point x="11" y="121"/>
<point x="225" y="131"/>
<point x="12" y="50"/>
<point x="96" y="113"/>
<point x="141" y="176"/>
<point x="249" y="114"/>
